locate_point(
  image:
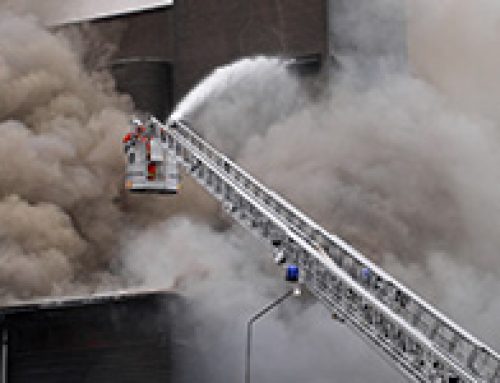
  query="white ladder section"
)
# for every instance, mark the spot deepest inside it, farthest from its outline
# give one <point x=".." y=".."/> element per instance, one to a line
<point x="424" y="344"/>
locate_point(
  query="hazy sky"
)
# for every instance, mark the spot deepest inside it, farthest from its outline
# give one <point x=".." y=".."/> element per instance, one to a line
<point x="57" y="11"/>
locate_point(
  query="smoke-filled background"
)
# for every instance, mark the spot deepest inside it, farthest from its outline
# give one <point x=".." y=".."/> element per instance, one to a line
<point x="399" y="155"/>
<point x="60" y="163"/>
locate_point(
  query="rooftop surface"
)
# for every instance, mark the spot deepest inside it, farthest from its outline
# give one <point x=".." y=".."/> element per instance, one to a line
<point x="72" y="301"/>
<point x="60" y="12"/>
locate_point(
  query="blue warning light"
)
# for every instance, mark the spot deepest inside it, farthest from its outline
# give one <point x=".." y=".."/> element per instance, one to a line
<point x="365" y="274"/>
<point x="292" y="273"/>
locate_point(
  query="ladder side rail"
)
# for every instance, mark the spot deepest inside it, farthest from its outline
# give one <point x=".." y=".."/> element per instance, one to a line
<point x="470" y="346"/>
<point x="430" y="353"/>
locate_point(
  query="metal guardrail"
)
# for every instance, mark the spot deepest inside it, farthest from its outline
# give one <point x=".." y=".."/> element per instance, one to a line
<point x="423" y="343"/>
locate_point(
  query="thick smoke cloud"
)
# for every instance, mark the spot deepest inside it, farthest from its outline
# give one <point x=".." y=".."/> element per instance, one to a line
<point x="60" y="164"/>
<point x="227" y="277"/>
<point x="379" y="162"/>
<point x="384" y="159"/>
<point x="369" y="30"/>
<point x="389" y="160"/>
<point x="454" y="45"/>
<point x="399" y="174"/>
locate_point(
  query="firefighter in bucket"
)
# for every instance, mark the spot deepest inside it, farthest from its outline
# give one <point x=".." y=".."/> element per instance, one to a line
<point x="151" y="164"/>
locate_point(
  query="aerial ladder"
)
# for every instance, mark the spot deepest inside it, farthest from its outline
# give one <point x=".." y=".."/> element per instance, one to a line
<point x="420" y="341"/>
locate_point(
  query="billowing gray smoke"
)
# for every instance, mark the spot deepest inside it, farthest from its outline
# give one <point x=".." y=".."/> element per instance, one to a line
<point x="385" y="159"/>
<point x="453" y="44"/>
<point x="388" y="160"/>
<point x="60" y="162"/>
<point x="387" y="163"/>
<point x="63" y="213"/>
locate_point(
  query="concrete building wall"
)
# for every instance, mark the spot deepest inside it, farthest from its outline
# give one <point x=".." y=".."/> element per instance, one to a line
<point x="197" y="36"/>
<point x="132" y="338"/>
<point x="221" y="31"/>
<point x="145" y="34"/>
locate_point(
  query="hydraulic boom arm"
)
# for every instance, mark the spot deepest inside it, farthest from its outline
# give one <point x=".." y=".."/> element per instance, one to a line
<point x="424" y="344"/>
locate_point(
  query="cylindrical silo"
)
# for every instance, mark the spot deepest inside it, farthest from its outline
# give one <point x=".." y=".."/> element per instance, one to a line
<point x="148" y="81"/>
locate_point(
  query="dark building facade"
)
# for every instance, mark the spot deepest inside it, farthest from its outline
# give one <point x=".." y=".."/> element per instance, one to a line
<point x="120" y="338"/>
<point x="184" y="42"/>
